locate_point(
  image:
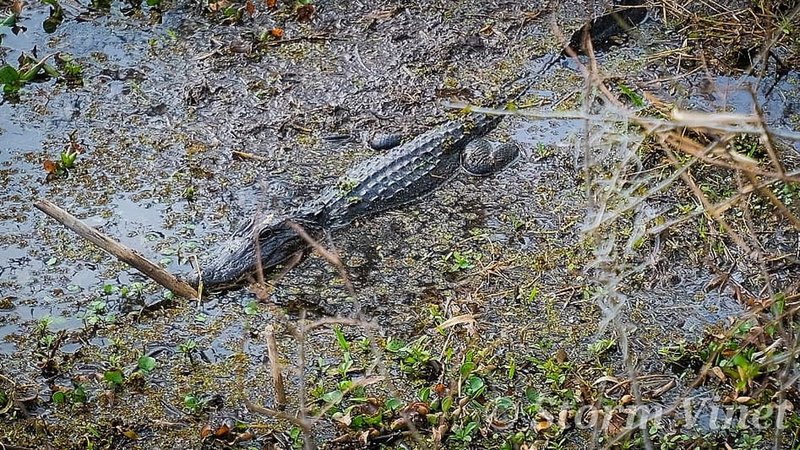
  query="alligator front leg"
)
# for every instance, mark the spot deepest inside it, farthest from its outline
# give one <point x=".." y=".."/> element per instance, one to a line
<point x="481" y="158"/>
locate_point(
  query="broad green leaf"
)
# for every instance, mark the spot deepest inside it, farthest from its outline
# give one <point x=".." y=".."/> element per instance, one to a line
<point x="9" y="21"/>
<point x="113" y="377"/>
<point x="333" y="397"/>
<point x="59" y="398"/>
<point x="8" y="75"/>
<point x="147" y="363"/>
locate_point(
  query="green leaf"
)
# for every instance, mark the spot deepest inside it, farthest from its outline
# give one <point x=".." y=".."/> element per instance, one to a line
<point x="778" y="304"/>
<point x="635" y="98"/>
<point x="424" y="394"/>
<point x="333" y="397"/>
<point x="31" y="73"/>
<point x="98" y="306"/>
<point x="394" y="345"/>
<point x="505" y="404"/>
<point x="470" y="428"/>
<point x="10" y="88"/>
<point x="475" y="386"/>
<point x="602" y="346"/>
<point x="147" y="364"/>
<point x="447" y="403"/>
<point x="50" y="25"/>
<point x="740" y="360"/>
<point x="532" y="395"/>
<point x="79" y="394"/>
<point x="59" y="398"/>
<point x="192" y="403"/>
<point x="394" y="404"/>
<point x="251" y="308"/>
<point x="341" y="339"/>
<point x="467" y="368"/>
<point x="114" y="377"/>
<point x="9" y="21"/>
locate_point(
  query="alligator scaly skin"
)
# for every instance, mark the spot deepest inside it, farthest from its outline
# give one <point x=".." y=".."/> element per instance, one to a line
<point x="405" y="174"/>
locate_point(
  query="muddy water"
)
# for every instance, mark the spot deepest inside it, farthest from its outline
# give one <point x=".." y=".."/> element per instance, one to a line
<point x="161" y="109"/>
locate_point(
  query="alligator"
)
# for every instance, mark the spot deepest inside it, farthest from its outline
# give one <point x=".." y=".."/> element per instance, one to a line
<point x="406" y="173"/>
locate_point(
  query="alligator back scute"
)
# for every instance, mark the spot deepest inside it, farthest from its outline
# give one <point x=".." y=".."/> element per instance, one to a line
<point x="406" y="173"/>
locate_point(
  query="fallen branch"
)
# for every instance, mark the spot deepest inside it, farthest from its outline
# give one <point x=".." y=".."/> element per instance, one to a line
<point x="119" y="251"/>
<point x="275" y="367"/>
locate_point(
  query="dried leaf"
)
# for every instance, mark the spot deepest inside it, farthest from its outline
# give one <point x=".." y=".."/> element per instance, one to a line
<point x="272" y="4"/>
<point x="399" y="424"/>
<point x="344" y="419"/>
<point x="605" y="379"/>
<point x="220" y="5"/>
<point x="464" y="318"/>
<point x="417" y="408"/>
<point x="616" y="425"/>
<point x="305" y="12"/>
<point x="130" y="434"/>
<point x="564" y="418"/>
<point x="50" y="166"/>
<point x="205" y="431"/>
<point x="593" y="417"/>
<point x="250" y="7"/>
<point x="223" y="430"/>
<point x="542" y="425"/>
<point x="246" y="436"/>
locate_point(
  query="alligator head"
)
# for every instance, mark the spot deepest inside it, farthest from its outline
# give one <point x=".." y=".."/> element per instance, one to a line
<point x="258" y="245"/>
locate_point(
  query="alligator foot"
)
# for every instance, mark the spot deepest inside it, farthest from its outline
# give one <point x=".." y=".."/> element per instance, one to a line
<point x="480" y="158"/>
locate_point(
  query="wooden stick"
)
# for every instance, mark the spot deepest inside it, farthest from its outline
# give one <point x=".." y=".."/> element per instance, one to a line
<point x="122" y="253"/>
<point x="275" y="367"/>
